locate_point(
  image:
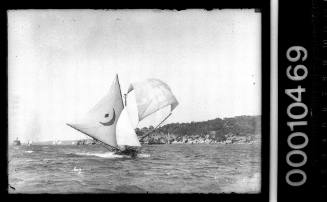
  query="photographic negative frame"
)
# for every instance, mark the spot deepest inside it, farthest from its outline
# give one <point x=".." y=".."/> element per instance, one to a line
<point x="295" y="36"/>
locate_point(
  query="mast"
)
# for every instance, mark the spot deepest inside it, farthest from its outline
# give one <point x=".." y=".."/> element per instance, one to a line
<point x="125" y="97"/>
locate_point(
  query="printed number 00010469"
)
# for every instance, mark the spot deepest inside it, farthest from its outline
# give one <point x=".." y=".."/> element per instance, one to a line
<point x="296" y="54"/>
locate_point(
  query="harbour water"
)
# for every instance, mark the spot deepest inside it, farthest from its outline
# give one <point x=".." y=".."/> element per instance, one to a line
<point x="174" y="168"/>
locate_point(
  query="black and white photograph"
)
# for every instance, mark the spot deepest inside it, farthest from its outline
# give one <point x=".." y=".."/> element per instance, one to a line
<point x="134" y="101"/>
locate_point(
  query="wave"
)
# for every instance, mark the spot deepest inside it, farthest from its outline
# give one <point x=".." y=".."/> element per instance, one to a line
<point x="143" y="155"/>
<point x="129" y="189"/>
<point x="29" y="151"/>
<point x="111" y="155"/>
<point x="78" y="170"/>
<point x="245" y="184"/>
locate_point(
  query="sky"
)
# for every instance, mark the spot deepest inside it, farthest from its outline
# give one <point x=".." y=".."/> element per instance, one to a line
<point x="62" y="62"/>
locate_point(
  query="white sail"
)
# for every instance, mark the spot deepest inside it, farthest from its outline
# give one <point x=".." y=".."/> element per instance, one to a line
<point x="100" y="122"/>
<point x="125" y="132"/>
<point x="146" y="98"/>
<point x="131" y="107"/>
<point x="152" y="95"/>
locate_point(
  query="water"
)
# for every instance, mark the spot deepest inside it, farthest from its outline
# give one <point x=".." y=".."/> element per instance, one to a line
<point x="179" y="168"/>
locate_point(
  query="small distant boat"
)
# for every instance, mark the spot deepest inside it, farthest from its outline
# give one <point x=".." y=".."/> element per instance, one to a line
<point x="29" y="143"/>
<point x="17" y="142"/>
<point x="113" y="123"/>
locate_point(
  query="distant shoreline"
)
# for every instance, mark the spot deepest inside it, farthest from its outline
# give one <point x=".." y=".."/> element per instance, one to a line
<point x="236" y="130"/>
<point x="230" y="140"/>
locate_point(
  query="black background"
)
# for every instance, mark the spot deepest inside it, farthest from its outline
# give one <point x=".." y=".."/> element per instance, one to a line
<point x="298" y="27"/>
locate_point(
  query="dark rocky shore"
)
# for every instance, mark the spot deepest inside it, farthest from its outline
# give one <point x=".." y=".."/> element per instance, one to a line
<point x="201" y="139"/>
<point x="196" y="139"/>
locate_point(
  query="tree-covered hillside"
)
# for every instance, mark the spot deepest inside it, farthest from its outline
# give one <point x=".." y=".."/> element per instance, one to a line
<point x="217" y="129"/>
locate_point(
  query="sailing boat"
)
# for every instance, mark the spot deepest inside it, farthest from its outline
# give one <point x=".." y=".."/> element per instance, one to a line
<point x="17" y="142"/>
<point x="113" y="123"/>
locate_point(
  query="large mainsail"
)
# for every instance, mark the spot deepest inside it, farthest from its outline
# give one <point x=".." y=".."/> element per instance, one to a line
<point x="100" y="122"/>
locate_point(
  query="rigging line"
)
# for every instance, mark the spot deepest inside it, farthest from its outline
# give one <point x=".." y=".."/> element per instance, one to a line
<point x="112" y="148"/>
<point x="148" y="133"/>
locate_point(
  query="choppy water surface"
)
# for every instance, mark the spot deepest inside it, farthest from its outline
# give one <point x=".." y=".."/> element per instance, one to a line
<point x="180" y="168"/>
